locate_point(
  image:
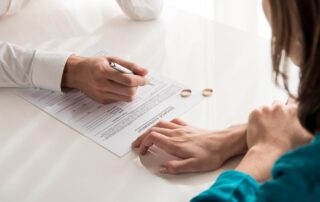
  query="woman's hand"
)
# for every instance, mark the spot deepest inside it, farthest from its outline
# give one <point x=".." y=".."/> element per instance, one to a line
<point x="272" y="131"/>
<point x="198" y="149"/>
<point x="95" y="78"/>
<point x="276" y="126"/>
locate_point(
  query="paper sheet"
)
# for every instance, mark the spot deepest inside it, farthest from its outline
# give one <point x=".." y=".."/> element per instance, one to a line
<point x="115" y="126"/>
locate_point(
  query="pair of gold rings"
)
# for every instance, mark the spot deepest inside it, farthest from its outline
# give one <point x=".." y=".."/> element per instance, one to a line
<point x="207" y="92"/>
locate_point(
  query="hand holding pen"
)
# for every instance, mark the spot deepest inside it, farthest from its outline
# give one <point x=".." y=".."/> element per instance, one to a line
<point x="104" y="79"/>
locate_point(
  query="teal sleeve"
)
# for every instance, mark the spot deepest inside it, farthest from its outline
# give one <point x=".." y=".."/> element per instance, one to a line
<point x="290" y="185"/>
<point x="296" y="178"/>
<point x="231" y="186"/>
<point x="294" y="183"/>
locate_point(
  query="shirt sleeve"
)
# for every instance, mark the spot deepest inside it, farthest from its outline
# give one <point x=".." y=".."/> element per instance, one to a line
<point x="296" y="178"/>
<point x="289" y="184"/>
<point x="21" y="67"/>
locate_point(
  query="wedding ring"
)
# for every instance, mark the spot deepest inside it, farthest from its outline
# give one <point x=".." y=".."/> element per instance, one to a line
<point x="207" y="92"/>
<point x="186" y="93"/>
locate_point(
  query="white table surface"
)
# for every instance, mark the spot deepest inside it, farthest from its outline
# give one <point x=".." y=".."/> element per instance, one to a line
<point x="42" y="159"/>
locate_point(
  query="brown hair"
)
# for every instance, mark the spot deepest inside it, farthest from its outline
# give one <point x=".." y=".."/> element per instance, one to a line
<point x="292" y="20"/>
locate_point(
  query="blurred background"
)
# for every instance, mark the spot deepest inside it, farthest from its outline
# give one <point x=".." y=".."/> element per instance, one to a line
<point x="246" y="15"/>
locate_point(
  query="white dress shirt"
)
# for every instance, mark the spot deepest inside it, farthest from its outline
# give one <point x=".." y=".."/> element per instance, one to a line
<point x="21" y="67"/>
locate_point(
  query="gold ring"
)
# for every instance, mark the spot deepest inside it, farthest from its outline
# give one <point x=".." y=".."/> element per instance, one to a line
<point x="207" y="92"/>
<point x="186" y="93"/>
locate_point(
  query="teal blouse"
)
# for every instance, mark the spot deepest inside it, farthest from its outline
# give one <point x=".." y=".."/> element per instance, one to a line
<point x="296" y="178"/>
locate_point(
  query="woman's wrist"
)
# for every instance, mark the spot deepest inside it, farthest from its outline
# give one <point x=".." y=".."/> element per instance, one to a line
<point x="259" y="160"/>
<point x="234" y="141"/>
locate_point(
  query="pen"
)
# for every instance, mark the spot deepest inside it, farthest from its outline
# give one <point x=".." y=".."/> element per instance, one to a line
<point x="123" y="70"/>
<point x="120" y="68"/>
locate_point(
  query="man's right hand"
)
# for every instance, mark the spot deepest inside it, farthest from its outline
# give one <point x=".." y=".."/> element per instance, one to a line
<point x="95" y="78"/>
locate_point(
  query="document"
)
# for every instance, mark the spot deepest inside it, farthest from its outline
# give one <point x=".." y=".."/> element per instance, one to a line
<point x="115" y="126"/>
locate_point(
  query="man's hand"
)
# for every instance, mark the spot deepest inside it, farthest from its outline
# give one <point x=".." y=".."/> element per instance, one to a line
<point x="199" y="150"/>
<point x="95" y="78"/>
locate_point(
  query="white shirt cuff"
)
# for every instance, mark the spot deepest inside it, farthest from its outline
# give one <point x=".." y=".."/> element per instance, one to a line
<point x="47" y="69"/>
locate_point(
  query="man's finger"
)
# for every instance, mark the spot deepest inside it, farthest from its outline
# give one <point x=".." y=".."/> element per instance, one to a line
<point x="130" y="80"/>
<point x="178" y="166"/>
<point x="136" y="69"/>
<point x="116" y="97"/>
<point x="116" y="88"/>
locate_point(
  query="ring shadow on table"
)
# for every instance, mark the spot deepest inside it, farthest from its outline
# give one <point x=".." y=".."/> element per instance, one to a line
<point x="155" y="157"/>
